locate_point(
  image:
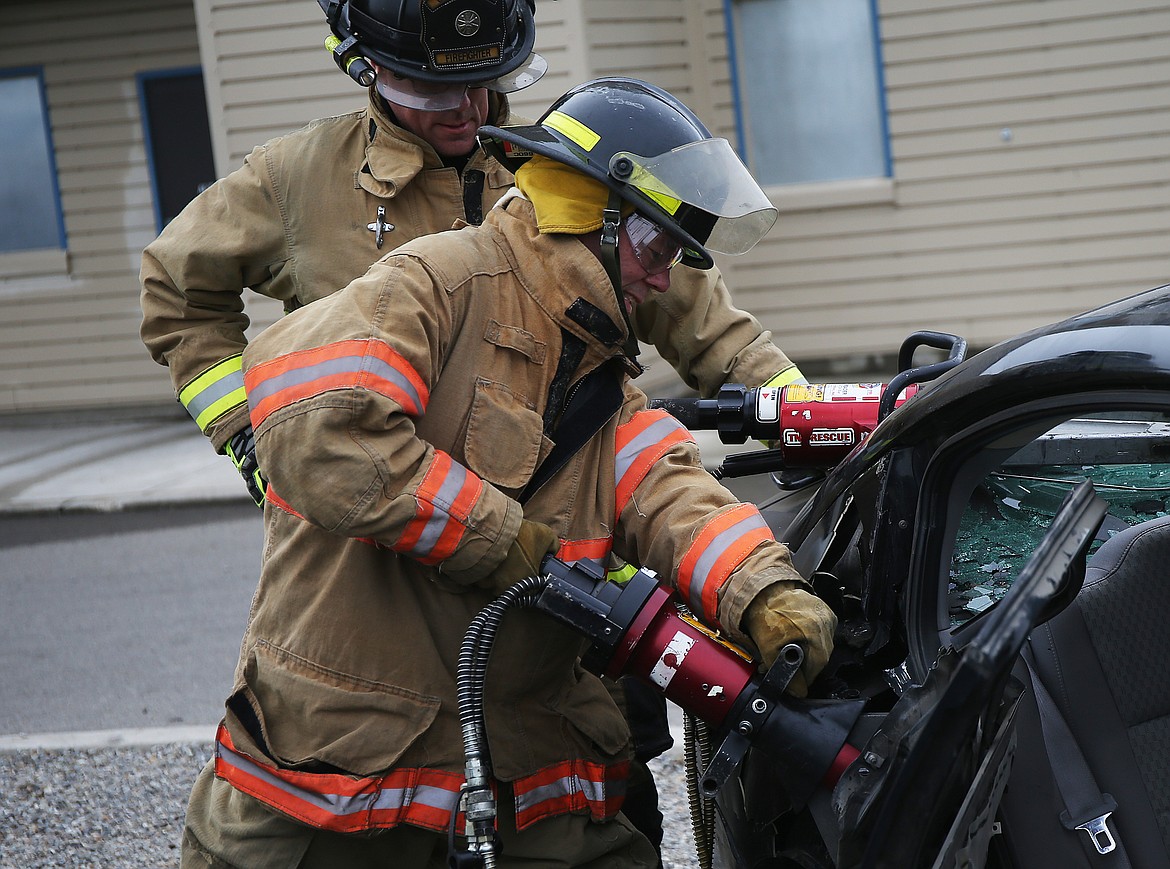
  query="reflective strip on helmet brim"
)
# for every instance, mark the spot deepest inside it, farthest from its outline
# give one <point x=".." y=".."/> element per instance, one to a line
<point x="667" y="203"/>
<point x="720" y="547"/>
<point x="640" y="443"/>
<point x="444" y="501"/>
<point x="571" y="786"/>
<point x="367" y="364"/>
<point x="344" y="804"/>
<point x="213" y="393"/>
<point x="572" y="129"/>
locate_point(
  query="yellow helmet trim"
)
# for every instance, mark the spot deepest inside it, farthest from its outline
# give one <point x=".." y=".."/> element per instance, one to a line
<point x="669" y="204"/>
<point x="572" y="129"/>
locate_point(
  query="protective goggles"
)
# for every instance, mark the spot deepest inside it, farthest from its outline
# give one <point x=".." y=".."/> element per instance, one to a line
<point x="436" y="96"/>
<point x="655" y="250"/>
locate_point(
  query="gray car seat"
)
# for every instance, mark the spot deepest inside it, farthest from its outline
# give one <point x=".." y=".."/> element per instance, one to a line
<point x="1105" y="662"/>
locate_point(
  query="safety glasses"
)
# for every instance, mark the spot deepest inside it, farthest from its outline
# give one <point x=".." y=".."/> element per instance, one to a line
<point x="656" y="251"/>
<point x="425" y="96"/>
<point x="429" y="96"/>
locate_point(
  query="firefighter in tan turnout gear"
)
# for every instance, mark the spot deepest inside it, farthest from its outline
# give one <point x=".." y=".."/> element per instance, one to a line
<point x="402" y="422"/>
<point x="309" y="212"/>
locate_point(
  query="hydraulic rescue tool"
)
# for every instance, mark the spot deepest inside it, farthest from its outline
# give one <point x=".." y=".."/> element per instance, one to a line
<point x="637" y="628"/>
<point x="813" y="425"/>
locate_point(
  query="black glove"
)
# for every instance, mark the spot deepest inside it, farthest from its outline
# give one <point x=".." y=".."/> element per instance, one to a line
<point x="241" y="449"/>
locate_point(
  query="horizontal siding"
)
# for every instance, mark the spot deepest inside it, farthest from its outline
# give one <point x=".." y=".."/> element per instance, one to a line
<point x="70" y="340"/>
<point x="1029" y="142"/>
<point x="710" y="43"/>
<point x="270" y="80"/>
<point x="1030" y="182"/>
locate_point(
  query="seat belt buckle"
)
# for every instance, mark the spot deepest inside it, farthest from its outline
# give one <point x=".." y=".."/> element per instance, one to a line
<point x="1096" y="828"/>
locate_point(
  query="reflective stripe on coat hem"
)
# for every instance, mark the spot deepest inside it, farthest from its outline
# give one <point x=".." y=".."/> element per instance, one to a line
<point x="418" y="797"/>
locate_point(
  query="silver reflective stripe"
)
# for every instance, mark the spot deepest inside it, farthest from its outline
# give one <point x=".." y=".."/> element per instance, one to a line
<point x="348" y="364"/>
<point x="437" y="522"/>
<point x="713" y="551"/>
<point x="307" y="374"/>
<point x="386" y="371"/>
<point x="653" y="434"/>
<point x="335" y="804"/>
<point x="216" y="391"/>
<point x="564" y="786"/>
<point x="424" y="795"/>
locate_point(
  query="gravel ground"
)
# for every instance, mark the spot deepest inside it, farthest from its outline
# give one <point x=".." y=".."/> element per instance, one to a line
<point x="122" y="808"/>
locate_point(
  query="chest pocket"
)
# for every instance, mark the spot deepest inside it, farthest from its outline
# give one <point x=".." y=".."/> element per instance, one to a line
<point x="505" y="437"/>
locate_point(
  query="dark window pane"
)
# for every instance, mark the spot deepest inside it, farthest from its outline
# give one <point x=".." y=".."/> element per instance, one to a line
<point x="179" y="139"/>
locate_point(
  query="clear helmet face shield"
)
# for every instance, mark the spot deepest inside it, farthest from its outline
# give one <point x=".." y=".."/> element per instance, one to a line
<point x="708" y="175"/>
<point x="436" y="96"/>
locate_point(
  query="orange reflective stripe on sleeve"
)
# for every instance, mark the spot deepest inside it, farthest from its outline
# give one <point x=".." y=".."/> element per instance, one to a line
<point x="344" y="804"/>
<point x="640" y="443"/>
<point x="571" y="786"/>
<point x="597" y="549"/>
<point x="444" y="501"/>
<point x="368" y="364"/>
<point x="716" y="552"/>
<point x="442" y="507"/>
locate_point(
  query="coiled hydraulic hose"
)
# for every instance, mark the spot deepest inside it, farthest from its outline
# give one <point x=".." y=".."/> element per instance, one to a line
<point x="479" y="803"/>
<point x="696" y="758"/>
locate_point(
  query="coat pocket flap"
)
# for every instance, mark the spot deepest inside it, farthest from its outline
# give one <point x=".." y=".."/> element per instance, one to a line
<point x="311" y="715"/>
<point x="505" y="438"/>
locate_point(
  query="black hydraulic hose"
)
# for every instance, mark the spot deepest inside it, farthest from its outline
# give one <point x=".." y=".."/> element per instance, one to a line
<point x="696" y="757"/>
<point x="480" y="807"/>
<point x="473" y="656"/>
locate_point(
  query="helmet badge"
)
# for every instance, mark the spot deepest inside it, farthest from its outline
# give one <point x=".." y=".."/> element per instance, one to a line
<point x="464" y="34"/>
<point x="467" y="23"/>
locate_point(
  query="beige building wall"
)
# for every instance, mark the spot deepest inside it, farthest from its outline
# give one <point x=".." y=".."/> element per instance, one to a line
<point x="1029" y="142"/>
<point x="69" y="320"/>
<point x="1031" y="149"/>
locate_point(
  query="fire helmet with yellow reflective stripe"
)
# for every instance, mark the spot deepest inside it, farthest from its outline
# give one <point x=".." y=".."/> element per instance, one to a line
<point x="645" y="145"/>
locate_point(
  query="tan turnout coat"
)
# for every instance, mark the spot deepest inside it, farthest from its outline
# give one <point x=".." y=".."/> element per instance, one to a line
<point x="398" y="421"/>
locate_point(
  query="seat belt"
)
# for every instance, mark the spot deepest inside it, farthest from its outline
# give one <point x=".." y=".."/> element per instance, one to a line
<point x="592" y="403"/>
<point x="1086" y="807"/>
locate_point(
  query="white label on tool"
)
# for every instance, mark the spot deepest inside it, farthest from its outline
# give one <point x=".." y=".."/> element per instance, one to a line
<point x="672" y="657"/>
<point x="831" y="437"/>
<point x="768" y="404"/>
<point x="853" y="392"/>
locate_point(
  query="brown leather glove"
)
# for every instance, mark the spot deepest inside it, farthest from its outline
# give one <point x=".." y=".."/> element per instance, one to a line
<point x="533" y="542"/>
<point x="783" y="613"/>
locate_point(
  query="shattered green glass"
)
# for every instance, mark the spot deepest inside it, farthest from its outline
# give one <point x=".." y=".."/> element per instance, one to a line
<point x="1011" y="509"/>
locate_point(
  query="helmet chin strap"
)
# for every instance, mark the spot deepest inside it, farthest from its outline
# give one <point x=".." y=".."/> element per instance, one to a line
<point x="611" y="221"/>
